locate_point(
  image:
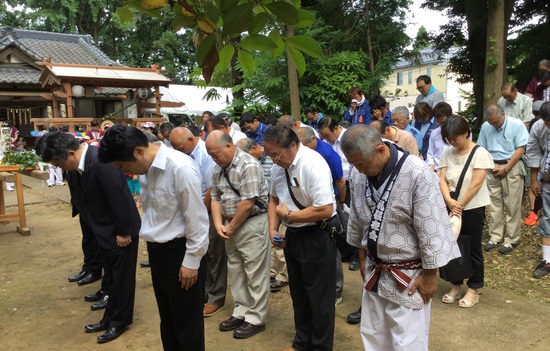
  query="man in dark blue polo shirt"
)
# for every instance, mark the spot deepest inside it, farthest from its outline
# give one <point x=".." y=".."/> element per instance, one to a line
<point x="254" y="128"/>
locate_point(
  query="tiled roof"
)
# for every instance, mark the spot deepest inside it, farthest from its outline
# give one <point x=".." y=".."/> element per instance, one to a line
<point x="427" y="56"/>
<point x="19" y="74"/>
<point x="62" y="48"/>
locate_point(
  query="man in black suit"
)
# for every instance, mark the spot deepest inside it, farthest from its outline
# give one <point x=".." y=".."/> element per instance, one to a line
<point x="100" y="194"/>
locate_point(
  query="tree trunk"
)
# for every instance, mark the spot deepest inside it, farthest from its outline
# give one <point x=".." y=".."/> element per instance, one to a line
<point x="293" y="86"/>
<point x="476" y="17"/>
<point x="495" y="62"/>
<point x="237" y="79"/>
<point x="369" y="40"/>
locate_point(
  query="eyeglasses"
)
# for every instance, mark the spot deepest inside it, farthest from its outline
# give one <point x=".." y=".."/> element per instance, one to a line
<point x="421" y="87"/>
<point x="278" y="157"/>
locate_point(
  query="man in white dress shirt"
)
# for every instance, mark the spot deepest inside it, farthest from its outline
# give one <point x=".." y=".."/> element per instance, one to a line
<point x="175" y="227"/>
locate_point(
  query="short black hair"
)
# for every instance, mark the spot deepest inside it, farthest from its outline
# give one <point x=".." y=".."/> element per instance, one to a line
<point x="329" y="122"/>
<point x="119" y="143"/>
<point x="196" y="131"/>
<point x="94" y="123"/>
<point x="166" y="126"/>
<point x="281" y="135"/>
<point x="545" y="111"/>
<point x="453" y="126"/>
<point x="377" y="102"/>
<point x="379" y="125"/>
<point x="310" y="109"/>
<point x="270" y="120"/>
<point x="247" y="117"/>
<point x="442" y="109"/>
<point x="216" y="123"/>
<point x="55" y="146"/>
<point x="426" y="79"/>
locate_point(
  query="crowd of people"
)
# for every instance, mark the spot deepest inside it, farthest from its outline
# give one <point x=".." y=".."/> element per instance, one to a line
<point x="285" y="202"/>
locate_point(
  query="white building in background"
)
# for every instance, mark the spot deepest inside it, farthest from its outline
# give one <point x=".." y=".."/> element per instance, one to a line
<point x="400" y="88"/>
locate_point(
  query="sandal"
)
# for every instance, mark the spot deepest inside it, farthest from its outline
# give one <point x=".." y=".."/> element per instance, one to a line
<point x="448" y="299"/>
<point x="467" y="303"/>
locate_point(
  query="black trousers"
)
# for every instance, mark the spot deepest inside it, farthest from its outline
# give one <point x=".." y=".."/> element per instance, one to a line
<point x="93" y="260"/>
<point x="120" y="278"/>
<point x="310" y="259"/>
<point x="181" y="318"/>
<point x="470" y="266"/>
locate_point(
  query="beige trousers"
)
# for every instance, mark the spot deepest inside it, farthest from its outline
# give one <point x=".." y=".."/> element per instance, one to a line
<point x="505" y="208"/>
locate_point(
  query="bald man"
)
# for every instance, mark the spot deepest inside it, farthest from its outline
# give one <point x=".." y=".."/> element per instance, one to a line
<point x="239" y="213"/>
<point x="182" y="139"/>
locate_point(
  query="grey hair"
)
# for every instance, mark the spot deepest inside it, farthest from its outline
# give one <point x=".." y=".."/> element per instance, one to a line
<point x="401" y="110"/>
<point x="246" y="144"/>
<point x="286" y="120"/>
<point x="361" y="139"/>
<point x="305" y="133"/>
<point x="492" y="109"/>
<point x="545" y="63"/>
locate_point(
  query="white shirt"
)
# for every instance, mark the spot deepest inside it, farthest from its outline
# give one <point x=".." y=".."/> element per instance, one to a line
<point x="172" y="204"/>
<point x="205" y="163"/>
<point x="346" y="167"/>
<point x="82" y="161"/>
<point x="311" y="182"/>
<point x="236" y="135"/>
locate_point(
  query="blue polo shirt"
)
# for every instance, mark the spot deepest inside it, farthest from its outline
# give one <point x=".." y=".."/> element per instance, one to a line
<point x="258" y="135"/>
<point x="503" y="142"/>
<point x="334" y="162"/>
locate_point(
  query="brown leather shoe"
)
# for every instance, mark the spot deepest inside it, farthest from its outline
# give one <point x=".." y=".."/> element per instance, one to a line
<point x="247" y="330"/>
<point x="231" y="324"/>
<point x="210" y="310"/>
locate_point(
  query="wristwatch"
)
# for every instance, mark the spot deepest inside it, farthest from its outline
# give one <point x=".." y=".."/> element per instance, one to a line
<point x="287" y="214"/>
<point x="506" y="169"/>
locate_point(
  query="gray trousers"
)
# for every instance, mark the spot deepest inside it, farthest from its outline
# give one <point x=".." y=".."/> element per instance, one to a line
<point x="216" y="274"/>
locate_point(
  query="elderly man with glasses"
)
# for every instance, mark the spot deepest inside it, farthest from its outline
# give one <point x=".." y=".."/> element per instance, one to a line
<point x="505" y="138"/>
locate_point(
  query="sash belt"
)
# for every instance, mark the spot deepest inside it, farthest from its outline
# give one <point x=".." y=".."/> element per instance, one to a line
<point x="395" y="269"/>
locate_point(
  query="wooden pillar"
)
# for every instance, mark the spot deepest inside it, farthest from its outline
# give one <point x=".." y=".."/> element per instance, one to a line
<point x="157" y="99"/>
<point x="69" y="92"/>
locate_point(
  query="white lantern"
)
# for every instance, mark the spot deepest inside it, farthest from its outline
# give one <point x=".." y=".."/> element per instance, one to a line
<point x="78" y="91"/>
<point x="143" y="93"/>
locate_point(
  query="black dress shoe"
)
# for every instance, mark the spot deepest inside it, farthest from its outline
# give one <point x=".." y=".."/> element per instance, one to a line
<point x="355" y="317"/>
<point x="354" y="265"/>
<point x="277" y="285"/>
<point x="94" y="328"/>
<point x="111" y="334"/>
<point x="145" y="264"/>
<point x="78" y="276"/>
<point x="101" y="304"/>
<point x="89" y="278"/>
<point x="247" y="330"/>
<point x="231" y="324"/>
<point x="94" y="297"/>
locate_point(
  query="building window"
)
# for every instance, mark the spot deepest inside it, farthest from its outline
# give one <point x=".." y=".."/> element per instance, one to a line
<point x="429" y="71"/>
<point x="410" y="77"/>
<point x="399" y="78"/>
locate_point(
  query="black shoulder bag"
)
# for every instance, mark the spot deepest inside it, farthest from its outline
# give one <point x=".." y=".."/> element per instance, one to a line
<point x="454" y="194"/>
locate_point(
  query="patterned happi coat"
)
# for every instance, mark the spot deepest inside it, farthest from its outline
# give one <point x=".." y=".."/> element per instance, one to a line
<point x="414" y="226"/>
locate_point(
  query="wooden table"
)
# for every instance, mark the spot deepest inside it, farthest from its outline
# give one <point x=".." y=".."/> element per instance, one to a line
<point x="13" y="173"/>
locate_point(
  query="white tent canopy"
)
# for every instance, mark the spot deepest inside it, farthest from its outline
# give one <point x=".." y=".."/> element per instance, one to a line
<point x="193" y="97"/>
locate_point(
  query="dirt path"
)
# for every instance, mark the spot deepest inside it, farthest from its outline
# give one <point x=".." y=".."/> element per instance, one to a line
<point x="40" y="310"/>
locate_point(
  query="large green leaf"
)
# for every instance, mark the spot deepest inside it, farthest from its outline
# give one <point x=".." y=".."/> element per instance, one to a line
<point x="284" y="12"/>
<point x="204" y="49"/>
<point x="226" y="54"/>
<point x="182" y="22"/>
<point x="278" y="40"/>
<point x="298" y="59"/>
<point x="257" y="42"/>
<point x="306" y="45"/>
<point x="124" y="13"/>
<point x="305" y="18"/>
<point x="227" y="5"/>
<point x="260" y="20"/>
<point x="247" y="61"/>
<point x="237" y="20"/>
<point x="136" y="4"/>
<point x="211" y="11"/>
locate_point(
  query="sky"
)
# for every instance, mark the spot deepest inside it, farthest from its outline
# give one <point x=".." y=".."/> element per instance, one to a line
<point x="418" y="17"/>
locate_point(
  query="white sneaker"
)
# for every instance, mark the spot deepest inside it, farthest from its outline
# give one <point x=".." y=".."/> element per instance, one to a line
<point x="60" y="184"/>
<point x="9" y="188"/>
<point x="50" y="185"/>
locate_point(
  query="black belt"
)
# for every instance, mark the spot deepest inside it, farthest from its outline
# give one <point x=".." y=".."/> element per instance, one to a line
<point x="177" y="242"/>
<point x="501" y="162"/>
